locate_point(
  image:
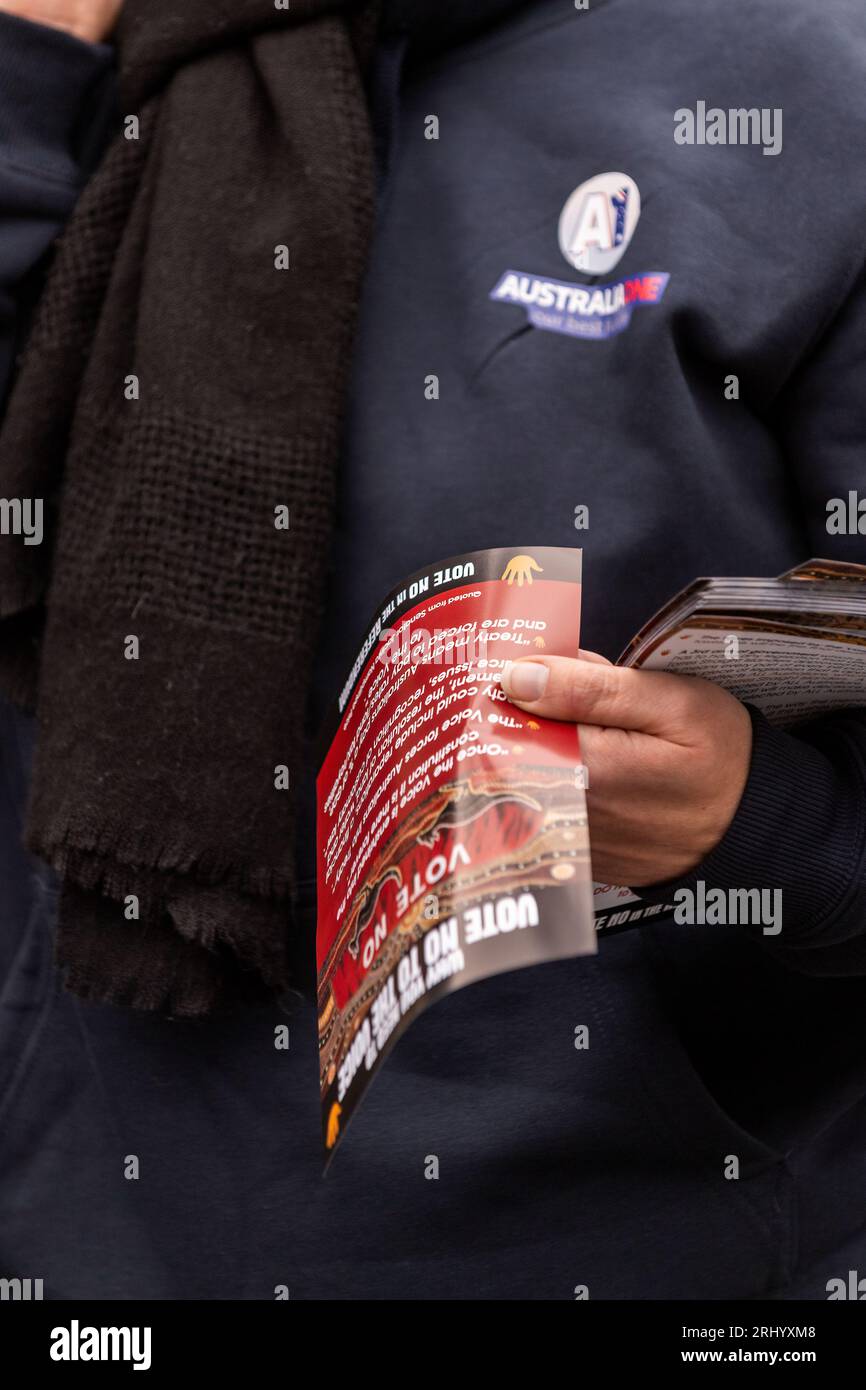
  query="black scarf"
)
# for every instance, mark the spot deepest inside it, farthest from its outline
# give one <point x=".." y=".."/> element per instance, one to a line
<point x="181" y="395"/>
<point x="177" y="391"/>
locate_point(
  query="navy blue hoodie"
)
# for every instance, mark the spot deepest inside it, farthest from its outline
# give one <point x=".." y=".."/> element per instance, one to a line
<point x="606" y="1168"/>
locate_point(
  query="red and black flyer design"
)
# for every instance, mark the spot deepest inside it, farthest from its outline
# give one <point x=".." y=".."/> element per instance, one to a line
<point x="452" y="828"/>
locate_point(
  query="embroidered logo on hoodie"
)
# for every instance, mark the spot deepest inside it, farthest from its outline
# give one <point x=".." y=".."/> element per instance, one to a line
<point x="596" y="225"/>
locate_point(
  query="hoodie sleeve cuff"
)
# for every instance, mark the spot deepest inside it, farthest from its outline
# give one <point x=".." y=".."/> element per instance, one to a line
<point x="53" y="92"/>
<point x="800" y="828"/>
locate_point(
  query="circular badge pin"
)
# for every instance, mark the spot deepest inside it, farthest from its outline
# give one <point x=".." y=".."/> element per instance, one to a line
<point x="598" y="222"/>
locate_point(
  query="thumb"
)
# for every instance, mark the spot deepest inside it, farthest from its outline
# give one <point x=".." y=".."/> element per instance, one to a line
<point x="589" y="690"/>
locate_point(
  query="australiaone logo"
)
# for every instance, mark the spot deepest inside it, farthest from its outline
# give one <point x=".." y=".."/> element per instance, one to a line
<point x="596" y="225"/>
<point x="581" y="311"/>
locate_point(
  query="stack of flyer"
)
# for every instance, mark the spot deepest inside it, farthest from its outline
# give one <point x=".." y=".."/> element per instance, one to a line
<point x="794" y="647"/>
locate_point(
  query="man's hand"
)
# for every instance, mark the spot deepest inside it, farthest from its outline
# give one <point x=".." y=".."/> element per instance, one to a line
<point x="667" y="757"/>
<point x="92" y="20"/>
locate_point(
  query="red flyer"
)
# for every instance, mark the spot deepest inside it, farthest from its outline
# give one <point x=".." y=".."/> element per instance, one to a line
<point x="452" y="828"/>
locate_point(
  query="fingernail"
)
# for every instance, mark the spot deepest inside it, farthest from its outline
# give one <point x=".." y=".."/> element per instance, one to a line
<point x="524" y="680"/>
